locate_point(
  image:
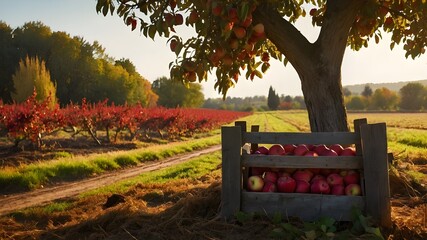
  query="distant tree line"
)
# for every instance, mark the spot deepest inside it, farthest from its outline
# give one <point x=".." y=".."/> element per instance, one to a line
<point x="257" y="103"/>
<point x="32" y="56"/>
<point x="411" y="97"/>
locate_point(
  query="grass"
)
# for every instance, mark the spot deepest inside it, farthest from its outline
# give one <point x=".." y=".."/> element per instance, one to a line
<point x="32" y="176"/>
<point x="195" y="168"/>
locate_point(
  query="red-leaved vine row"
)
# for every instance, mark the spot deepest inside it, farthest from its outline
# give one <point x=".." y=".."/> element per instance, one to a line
<point x="33" y="120"/>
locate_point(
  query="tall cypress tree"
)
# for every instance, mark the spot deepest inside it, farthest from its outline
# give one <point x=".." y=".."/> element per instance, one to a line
<point x="273" y="99"/>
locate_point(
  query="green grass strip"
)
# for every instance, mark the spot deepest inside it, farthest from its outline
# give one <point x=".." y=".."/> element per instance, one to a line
<point x="192" y="169"/>
<point x="65" y="169"/>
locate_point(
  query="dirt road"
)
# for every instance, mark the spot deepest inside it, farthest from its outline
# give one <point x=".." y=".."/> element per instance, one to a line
<point x="43" y="196"/>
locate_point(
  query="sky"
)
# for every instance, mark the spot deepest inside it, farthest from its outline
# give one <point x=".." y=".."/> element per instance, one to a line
<point x="375" y="64"/>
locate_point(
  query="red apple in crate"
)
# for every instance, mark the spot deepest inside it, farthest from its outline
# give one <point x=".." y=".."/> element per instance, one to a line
<point x="348" y="151"/>
<point x="286" y="184"/>
<point x="300" y="150"/>
<point x="269" y="187"/>
<point x="276" y="149"/>
<point x="353" y="190"/>
<point x="270" y="176"/>
<point x="338" y="190"/>
<point x="320" y="186"/>
<point x="335" y="179"/>
<point x="317" y="177"/>
<point x="289" y="148"/>
<point x="310" y="147"/>
<point x="302" y="175"/>
<point x="302" y="186"/>
<point x="350" y="177"/>
<point x="311" y="154"/>
<point x="320" y="148"/>
<point x="337" y="148"/>
<point x="257" y="171"/>
<point x="262" y="150"/>
<point x="255" y="183"/>
<point x="329" y="152"/>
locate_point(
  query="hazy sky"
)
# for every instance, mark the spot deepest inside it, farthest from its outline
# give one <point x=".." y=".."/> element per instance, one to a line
<point x="79" y="18"/>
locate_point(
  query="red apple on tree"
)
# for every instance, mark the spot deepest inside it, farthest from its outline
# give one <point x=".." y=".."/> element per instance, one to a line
<point x="173" y="44"/>
<point x="216" y="8"/>
<point x="286" y="184"/>
<point x="179" y="19"/>
<point x="255" y="183"/>
<point x="258" y="29"/>
<point x="239" y="32"/>
<point x="194" y="16"/>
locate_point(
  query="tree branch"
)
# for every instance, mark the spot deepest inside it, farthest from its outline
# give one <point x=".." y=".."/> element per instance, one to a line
<point x="289" y="40"/>
<point x="337" y="22"/>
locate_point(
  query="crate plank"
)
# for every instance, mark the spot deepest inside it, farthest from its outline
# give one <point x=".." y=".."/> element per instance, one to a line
<point x="299" y="138"/>
<point x="231" y="170"/>
<point x="308" y="207"/>
<point x="339" y="162"/>
<point x="377" y="187"/>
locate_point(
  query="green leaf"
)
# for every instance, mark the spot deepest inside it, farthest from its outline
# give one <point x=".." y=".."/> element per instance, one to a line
<point x="105" y="10"/>
<point x="311" y="235"/>
<point x="152" y="31"/>
<point x="243" y="11"/>
<point x="258" y="73"/>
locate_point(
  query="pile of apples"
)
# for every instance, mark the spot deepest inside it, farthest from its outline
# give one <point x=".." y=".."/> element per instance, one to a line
<point x="316" y="181"/>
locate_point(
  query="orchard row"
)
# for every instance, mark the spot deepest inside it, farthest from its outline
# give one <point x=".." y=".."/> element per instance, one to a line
<point x="32" y="120"/>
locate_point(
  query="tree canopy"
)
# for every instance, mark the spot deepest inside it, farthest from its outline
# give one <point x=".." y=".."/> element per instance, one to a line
<point x="173" y="94"/>
<point x="79" y="69"/>
<point x="234" y="38"/>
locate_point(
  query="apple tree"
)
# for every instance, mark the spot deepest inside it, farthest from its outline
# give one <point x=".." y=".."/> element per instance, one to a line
<point x="234" y="38"/>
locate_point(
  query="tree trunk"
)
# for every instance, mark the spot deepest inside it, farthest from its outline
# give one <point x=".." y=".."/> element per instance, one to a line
<point x="318" y="64"/>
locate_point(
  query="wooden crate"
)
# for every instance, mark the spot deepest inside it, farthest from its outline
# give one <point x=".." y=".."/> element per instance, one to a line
<point x="371" y="148"/>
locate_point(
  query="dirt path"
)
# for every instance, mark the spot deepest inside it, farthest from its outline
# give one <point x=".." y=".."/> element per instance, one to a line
<point x="43" y="196"/>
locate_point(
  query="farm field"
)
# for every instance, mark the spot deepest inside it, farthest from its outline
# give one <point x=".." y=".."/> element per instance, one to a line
<point x="183" y="201"/>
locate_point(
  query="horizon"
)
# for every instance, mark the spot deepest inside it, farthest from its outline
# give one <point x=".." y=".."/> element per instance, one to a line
<point x="375" y="64"/>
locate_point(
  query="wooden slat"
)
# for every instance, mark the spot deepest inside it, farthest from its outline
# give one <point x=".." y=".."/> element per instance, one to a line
<point x="340" y="162"/>
<point x="231" y="167"/>
<point x="357" y="123"/>
<point x="254" y="146"/>
<point x="299" y="138"/>
<point x="377" y="187"/>
<point x="242" y="125"/>
<point x="308" y="207"/>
